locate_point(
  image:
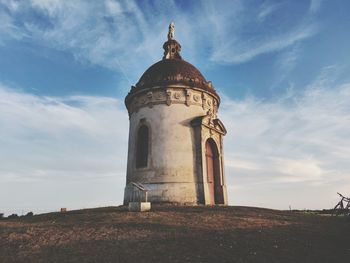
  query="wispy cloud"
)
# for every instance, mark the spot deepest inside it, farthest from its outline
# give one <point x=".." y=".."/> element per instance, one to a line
<point x="284" y="65"/>
<point x="296" y="145"/>
<point x="327" y="76"/>
<point x="103" y="33"/>
<point x="53" y="144"/>
<point x="243" y="35"/>
<point x="267" y="9"/>
<point x="113" y="7"/>
<point x="315" y="5"/>
<point x="245" y="51"/>
<point x="288" y="59"/>
<point x="125" y="36"/>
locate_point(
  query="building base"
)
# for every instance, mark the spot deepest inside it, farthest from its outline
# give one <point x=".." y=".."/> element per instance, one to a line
<point x="139" y="206"/>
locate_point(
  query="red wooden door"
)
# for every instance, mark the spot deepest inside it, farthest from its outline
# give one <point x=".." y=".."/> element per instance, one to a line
<point x="210" y="170"/>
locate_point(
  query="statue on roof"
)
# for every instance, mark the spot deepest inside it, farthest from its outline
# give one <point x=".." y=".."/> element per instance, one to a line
<point x="171" y="31"/>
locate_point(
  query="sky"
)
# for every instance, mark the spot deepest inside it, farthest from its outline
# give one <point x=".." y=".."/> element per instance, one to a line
<point x="282" y="69"/>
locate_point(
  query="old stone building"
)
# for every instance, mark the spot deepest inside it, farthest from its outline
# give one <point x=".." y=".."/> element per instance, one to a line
<point x="175" y="137"/>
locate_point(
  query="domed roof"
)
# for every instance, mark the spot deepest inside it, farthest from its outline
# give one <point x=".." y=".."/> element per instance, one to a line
<point x="172" y="69"/>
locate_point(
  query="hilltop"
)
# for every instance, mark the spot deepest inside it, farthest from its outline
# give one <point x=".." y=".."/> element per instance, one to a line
<point x="176" y="234"/>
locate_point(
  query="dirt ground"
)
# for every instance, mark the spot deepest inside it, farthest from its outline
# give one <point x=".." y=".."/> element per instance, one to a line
<point x="176" y="234"/>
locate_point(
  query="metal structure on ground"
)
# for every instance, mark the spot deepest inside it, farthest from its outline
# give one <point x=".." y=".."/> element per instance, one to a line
<point x="342" y="207"/>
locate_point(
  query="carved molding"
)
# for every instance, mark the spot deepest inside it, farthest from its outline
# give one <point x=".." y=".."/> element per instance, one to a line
<point x="188" y="97"/>
<point x="168" y="96"/>
<point x="149" y="99"/>
<point x="204" y="99"/>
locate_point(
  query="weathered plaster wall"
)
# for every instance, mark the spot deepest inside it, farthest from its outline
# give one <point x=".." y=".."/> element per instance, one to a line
<point x="175" y="167"/>
<point x="171" y="166"/>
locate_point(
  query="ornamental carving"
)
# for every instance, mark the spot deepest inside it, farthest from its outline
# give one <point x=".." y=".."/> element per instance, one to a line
<point x="168" y="97"/>
<point x="159" y="96"/>
<point x="186" y="96"/>
<point x="204" y="99"/>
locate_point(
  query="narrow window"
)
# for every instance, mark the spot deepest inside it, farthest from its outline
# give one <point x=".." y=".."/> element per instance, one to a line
<point x="142" y="147"/>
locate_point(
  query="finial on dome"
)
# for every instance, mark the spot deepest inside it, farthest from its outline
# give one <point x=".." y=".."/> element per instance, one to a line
<point x="171" y="48"/>
<point x="171" y="31"/>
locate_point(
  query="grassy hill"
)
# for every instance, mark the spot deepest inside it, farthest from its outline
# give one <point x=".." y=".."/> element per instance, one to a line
<point x="176" y="234"/>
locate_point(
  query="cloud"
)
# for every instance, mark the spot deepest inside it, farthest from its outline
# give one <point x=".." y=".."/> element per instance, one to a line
<point x="315" y="5"/>
<point x="328" y="76"/>
<point x="113" y="7"/>
<point x="267" y="9"/>
<point x="58" y="151"/>
<point x="288" y="59"/>
<point x="244" y="51"/>
<point x="127" y="36"/>
<point x="291" y="150"/>
<point x="284" y="65"/>
<point x="243" y="34"/>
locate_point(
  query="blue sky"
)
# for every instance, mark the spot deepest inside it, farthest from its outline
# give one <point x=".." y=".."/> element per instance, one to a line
<point x="281" y="67"/>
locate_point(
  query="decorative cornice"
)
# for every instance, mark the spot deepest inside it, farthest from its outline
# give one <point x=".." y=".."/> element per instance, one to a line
<point x="171" y="95"/>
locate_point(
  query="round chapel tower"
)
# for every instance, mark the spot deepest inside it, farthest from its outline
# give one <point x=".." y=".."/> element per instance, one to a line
<point x="175" y="138"/>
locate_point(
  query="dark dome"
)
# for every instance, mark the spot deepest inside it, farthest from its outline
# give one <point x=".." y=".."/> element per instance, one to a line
<point x="170" y="72"/>
<point x="166" y="70"/>
<point x="172" y="69"/>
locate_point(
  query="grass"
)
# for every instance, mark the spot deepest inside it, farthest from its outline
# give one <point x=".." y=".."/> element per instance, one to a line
<point x="176" y="234"/>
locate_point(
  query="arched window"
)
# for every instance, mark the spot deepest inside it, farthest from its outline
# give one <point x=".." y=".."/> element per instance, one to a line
<point x="142" y="147"/>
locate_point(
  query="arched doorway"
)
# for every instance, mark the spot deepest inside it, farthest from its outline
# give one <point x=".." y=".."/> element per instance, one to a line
<point x="213" y="173"/>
